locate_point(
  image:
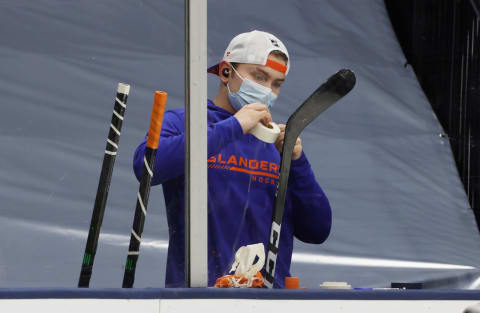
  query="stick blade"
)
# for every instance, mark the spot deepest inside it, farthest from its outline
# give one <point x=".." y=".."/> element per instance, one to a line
<point x="335" y="88"/>
<point x="343" y="82"/>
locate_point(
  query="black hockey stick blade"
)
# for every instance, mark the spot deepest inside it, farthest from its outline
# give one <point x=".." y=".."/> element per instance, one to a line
<point x="335" y="88"/>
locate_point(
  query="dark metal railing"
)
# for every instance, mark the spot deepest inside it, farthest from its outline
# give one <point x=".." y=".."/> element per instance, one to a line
<point x="441" y="41"/>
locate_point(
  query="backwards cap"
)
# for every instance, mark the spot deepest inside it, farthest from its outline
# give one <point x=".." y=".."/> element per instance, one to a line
<point x="253" y="48"/>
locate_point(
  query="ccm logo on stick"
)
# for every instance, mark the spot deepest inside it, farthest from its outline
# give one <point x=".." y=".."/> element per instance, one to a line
<point x="272" y="254"/>
<point x="275" y="235"/>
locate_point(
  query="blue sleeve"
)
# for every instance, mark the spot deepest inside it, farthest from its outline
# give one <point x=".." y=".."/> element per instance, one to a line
<point x="312" y="215"/>
<point x="170" y="160"/>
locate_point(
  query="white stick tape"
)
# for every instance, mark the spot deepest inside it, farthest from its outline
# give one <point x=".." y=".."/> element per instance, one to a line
<point x="141" y="204"/>
<point x="267" y="134"/>
<point x="123" y="88"/>
<point x="112" y="143"/>
<point x="114" y="129"/>
<point x="118" y="115"/>
<point x="149" y="170"/>
<point x="121" y="103"/>
<point x="136" y="236"/>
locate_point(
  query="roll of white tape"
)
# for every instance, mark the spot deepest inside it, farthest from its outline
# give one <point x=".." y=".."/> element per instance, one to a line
<point x="267" y="134"/>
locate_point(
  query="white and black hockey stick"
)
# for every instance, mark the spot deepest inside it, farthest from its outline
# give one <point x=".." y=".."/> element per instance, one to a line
<point x="104" y="184"/>
<point x="159" y="101"/>
<point x="336" y="87"/>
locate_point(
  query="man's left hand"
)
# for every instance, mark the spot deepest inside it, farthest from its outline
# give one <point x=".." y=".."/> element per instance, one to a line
<point x="297" y="149"/>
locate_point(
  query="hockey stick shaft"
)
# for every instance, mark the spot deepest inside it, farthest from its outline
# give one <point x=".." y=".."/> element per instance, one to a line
<point x="153" y="136"/>
<point x="336" y="87"/>
<point x="104" y="184"/>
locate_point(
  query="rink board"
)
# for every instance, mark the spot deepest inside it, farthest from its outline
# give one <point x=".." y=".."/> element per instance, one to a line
<point x="211" y="300"/>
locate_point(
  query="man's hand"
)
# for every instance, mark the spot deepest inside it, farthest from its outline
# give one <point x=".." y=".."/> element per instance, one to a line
<point x="252" y="114"/>
<point x="297" y="149"/>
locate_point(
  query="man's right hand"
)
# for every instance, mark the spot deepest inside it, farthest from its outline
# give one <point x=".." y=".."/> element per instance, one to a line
<point x="252" y="114"/>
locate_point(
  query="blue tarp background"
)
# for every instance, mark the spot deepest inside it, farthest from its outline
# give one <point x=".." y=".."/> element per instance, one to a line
<point x="390" y="177"/>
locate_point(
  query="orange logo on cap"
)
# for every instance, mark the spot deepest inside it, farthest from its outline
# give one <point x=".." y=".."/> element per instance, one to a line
<point x="228" y="53"/>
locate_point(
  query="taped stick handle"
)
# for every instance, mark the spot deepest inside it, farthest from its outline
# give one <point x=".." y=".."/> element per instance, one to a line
<point x="159" y="101"/>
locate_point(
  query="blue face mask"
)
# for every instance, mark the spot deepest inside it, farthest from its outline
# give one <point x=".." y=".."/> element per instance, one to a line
<point x="250" y="92"/>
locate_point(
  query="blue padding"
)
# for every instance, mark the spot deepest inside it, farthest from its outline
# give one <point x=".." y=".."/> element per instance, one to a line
<point x="263" y="294"/>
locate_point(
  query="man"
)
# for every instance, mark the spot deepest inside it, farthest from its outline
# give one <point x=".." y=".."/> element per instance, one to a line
<point x="242" y="170"/>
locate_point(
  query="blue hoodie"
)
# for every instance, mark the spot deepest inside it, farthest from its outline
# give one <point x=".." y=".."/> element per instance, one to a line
<point x="242" y="180"/>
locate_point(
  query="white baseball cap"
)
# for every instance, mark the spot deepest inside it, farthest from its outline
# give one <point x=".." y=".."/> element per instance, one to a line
<point x="253" y="48"/>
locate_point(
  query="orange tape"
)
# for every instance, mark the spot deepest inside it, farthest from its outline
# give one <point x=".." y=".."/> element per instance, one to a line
<point x="292" y="282"/>
<point x="159" y="101"/>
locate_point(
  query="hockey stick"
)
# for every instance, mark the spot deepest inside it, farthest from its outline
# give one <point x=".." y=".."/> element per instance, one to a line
<point x="321" y="99"/>
<point x="159" y="100"/>
<point x="104" y="184"/>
